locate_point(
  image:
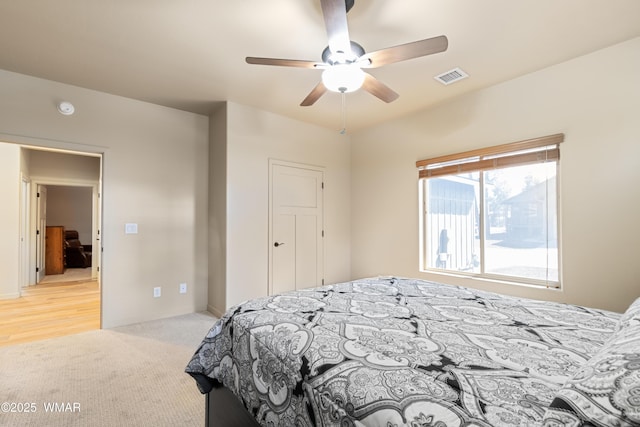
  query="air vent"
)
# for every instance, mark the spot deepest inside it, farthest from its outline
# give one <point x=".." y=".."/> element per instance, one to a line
<point x="451" y="76"/>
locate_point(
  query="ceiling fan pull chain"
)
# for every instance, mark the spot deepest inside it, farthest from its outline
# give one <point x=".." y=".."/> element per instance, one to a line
<point x="344" y="114"/>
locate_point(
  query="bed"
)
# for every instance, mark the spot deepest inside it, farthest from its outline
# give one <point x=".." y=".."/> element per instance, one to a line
<point x="394" y="351"/>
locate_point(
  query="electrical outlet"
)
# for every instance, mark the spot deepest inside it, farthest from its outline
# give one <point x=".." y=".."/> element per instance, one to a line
<point x="183" y="288"/>
<point x="157" y="292"/>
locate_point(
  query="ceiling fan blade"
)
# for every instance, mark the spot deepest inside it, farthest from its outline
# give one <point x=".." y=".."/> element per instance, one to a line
<point x="314" y="95"/>
<point x="335" y="20"/>
<point x="404" y="51"/>
<point x="378" y="89"/>
<point x="282" y="62"/>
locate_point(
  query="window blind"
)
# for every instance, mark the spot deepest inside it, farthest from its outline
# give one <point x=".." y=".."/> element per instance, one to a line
<point x="537" y="150"/>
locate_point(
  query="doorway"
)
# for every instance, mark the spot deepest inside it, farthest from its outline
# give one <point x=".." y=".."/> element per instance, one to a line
<point x="296" y="226"/>
<point x="72" y="210"/>
<point x="44" y="173"/>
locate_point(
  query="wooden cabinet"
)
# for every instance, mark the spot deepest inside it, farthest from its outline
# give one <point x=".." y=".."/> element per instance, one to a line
<point x="54" y="250"/>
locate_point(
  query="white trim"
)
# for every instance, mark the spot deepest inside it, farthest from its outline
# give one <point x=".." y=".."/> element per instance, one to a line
<point x="12" y="295"/>
<point x="46" y="144"/>
<point x="25" y="227"/>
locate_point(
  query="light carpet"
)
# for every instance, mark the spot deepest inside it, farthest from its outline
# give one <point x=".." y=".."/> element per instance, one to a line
<point x="127" y="376"/>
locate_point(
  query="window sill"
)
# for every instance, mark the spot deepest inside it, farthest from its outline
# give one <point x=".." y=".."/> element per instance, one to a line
<point x="494" y="280"/>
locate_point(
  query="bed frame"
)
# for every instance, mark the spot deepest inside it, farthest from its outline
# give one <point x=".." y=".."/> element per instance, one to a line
<point x="223" y="409"/>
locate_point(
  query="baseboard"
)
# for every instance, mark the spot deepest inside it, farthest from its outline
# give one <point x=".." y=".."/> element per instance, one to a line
<point x="12" y="295"/>
<point x="211" y="309"/>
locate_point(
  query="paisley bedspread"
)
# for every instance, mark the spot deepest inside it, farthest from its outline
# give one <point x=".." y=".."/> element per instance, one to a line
<point x="395" y="351"/>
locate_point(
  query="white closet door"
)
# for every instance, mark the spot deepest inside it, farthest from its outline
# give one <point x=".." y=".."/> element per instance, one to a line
<point x="296" y="229"/>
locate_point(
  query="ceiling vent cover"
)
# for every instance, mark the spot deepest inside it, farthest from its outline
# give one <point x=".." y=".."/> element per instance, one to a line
<point x="451" y="76"/>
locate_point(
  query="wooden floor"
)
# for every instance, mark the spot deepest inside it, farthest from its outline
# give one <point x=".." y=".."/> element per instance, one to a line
<point x="50" y="310"/>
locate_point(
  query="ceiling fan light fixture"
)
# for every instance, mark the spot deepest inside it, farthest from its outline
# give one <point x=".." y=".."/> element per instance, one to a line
<point x="340" y="57"/>
<point x="343" y="78"/>
<point x="343" y="59"/>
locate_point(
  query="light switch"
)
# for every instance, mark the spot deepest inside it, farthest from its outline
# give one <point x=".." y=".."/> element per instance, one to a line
<point x="131" y="229"/>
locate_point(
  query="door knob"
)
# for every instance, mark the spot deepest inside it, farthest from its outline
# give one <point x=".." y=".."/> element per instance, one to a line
<point x="276" y="244"/>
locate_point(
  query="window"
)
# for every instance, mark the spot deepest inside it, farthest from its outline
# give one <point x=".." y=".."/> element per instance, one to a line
<point x="493" y="213"/>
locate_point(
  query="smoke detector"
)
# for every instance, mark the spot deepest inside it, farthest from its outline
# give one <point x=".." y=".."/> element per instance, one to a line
<point x="66" y="108"/>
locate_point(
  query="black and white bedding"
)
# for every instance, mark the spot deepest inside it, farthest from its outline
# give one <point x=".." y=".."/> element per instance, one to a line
<point x="395" y="352"/>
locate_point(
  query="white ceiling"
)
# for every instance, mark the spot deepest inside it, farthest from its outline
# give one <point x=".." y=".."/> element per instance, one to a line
<point x="189" y="54"/>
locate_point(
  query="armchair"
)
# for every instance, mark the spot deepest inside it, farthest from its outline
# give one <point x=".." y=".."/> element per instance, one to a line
<point x="77" y="254"/>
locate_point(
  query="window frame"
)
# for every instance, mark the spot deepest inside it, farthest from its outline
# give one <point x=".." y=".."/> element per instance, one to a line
<point x="531" y="151"/>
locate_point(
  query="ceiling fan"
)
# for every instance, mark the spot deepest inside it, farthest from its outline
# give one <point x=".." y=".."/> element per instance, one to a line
<point x="343" y="60"/>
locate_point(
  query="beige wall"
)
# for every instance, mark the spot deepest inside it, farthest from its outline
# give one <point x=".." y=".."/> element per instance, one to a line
<point x="155" y="174"/>
<point x="253" y="137"/>
<point x="594" y="100"/>
<point x="71" y="207"/>
<point x="63" y="167"/>
<point x="9" y="220"/>
<point x="217" y="295"/>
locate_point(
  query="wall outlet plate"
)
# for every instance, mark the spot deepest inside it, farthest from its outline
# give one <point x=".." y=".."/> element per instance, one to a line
<point x="131" y="228"/>
<point x="157" y="292"/>
<point x="183" y="288"/>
